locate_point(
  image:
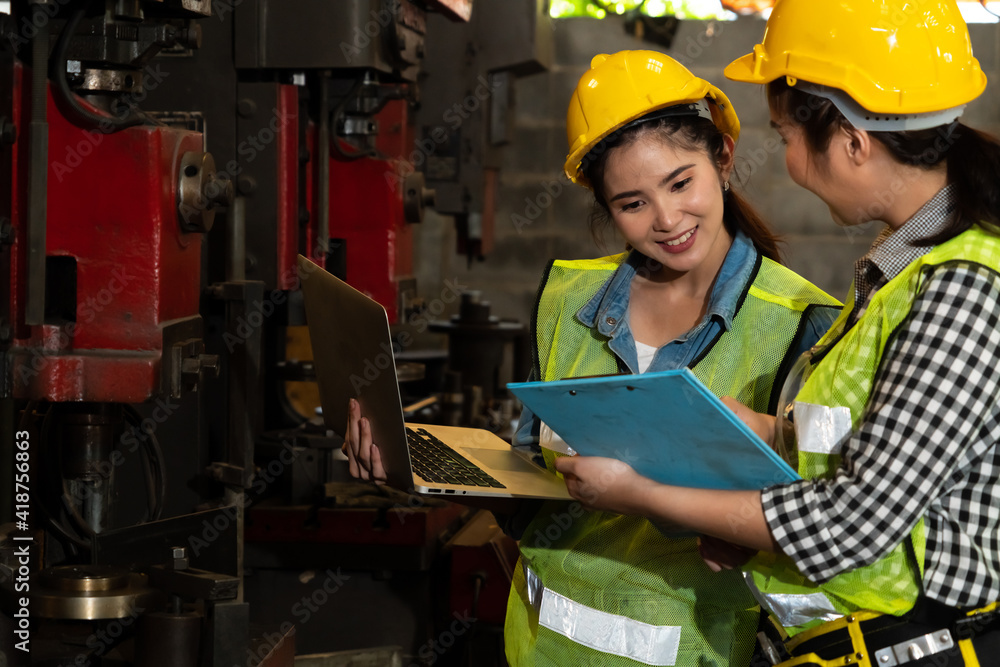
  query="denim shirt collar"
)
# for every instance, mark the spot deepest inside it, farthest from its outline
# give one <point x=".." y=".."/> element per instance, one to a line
<point x="607" y="310"/>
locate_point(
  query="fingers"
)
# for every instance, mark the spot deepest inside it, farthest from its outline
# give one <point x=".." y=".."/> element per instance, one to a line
<point x="737" y="407"/>
<point x="578" y="491"/>
<point x="358" y="443"/>
<point x="365" y="448"/>
<point x="351" y="438"/>
<point x="565" y="464"/>
<point x="722" y="555"/>
<point x="577" y="488"/>
<point x="707" y="553"/>
<point x="378" y="470"/>
<point x="712" y="565"/>
<point x="761" y="424"/>
<point x="585" y="477"/>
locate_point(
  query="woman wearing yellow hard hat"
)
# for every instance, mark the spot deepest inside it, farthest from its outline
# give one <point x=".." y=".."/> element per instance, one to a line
<point x="887" y="552"/>
<point x="699" y="287"/>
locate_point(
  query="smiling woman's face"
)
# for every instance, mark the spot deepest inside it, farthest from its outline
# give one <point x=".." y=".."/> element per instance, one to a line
<point x="667" y="201"/>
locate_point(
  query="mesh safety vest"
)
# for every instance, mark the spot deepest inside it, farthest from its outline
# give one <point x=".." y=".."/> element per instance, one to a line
<point x="827" y="409"/>
<point x="601" y="589"/>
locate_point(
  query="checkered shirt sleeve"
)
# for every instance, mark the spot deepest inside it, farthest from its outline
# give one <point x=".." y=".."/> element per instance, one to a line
<point x="926" y="447"/>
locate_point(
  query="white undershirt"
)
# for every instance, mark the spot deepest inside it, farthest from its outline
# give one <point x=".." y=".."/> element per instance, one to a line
<point x="645" y="353"/>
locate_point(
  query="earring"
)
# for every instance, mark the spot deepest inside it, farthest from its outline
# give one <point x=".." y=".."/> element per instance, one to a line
<point x="725" y="186"/>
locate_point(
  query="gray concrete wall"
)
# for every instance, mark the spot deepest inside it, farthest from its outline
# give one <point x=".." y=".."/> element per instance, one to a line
<point x="533" y="188"/>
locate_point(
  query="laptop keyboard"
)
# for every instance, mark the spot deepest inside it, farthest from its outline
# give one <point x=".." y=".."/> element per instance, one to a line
<point x="436" y="462"/>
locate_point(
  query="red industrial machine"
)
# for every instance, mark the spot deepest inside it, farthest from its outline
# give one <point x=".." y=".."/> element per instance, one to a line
<point x="120" y="307"/>
<point x="165" y="161"/>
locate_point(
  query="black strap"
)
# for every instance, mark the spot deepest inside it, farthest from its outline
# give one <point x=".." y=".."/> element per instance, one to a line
<point x="767" y="627"/>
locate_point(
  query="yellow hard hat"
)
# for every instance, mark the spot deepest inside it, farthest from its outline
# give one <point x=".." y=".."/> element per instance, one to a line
<point x="625" y="86"/>
<point x="890" y="56"/>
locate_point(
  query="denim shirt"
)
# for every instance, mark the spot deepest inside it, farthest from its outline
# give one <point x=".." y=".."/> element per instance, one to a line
<point x="608" y="313"/>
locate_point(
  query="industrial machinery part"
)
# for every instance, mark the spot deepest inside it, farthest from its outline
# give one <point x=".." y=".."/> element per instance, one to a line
<point x="200" y="192"/>
<point x="168" y="639"/>
<point x="89" y="592"/>
<point x="168" y="159"/>
<point x="465" y="115"/>
<point x="484" y="353"/>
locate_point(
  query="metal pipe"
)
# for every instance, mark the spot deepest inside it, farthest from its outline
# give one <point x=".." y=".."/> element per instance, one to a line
<point x="235" y="497"/>
<point x="236" y="240"/>
<point x="323" y="233"/>
<point x="86" y="439"/>
<point x="168" y="639"/>
<point x="38" y="170"/>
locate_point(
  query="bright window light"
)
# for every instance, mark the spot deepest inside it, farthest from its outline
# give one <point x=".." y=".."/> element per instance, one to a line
<point x="974" y="12"/>
<point x="682" y="9"/>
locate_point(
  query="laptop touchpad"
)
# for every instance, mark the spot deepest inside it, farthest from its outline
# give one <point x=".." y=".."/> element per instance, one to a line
<point x="500" y="459"/>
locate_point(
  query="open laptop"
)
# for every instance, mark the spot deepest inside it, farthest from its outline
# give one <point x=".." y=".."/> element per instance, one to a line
<point x="353" y="357"/>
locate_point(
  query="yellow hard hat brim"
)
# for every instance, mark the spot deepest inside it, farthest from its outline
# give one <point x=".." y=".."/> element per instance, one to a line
<point x="741" y="70"/>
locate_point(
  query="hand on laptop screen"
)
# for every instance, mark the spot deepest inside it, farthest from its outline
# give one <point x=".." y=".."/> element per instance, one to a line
<point x="364" y="459"/>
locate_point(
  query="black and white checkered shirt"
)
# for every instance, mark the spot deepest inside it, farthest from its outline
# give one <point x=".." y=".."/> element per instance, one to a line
<point x="891" y="252"/>
<point x="927" y="445"/>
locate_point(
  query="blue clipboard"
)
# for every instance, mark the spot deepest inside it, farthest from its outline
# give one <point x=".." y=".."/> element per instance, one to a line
<point x="666" y="425"/>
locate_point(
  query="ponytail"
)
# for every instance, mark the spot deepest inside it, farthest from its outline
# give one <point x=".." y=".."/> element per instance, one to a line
<point x="740" y="215"/>
<point x="973" y="166"/>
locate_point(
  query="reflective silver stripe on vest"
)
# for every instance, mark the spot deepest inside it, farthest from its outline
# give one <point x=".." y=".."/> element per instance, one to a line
<point x="601" y="631"/>
<point x="534" y="586"/>
<point x="792" y="609"/>
<point x="820" y="429"/>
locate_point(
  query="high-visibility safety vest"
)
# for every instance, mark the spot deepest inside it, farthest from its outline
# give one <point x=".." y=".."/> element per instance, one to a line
<point x="827" y="409"/>
<point x="594" y="588"/>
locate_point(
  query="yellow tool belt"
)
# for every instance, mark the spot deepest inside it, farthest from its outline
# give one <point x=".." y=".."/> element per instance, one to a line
<point x="932" y="634"/>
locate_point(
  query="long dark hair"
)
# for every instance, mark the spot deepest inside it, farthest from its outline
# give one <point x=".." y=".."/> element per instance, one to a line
<point x="971" y="157"/>
<point x="690" y="133"/>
